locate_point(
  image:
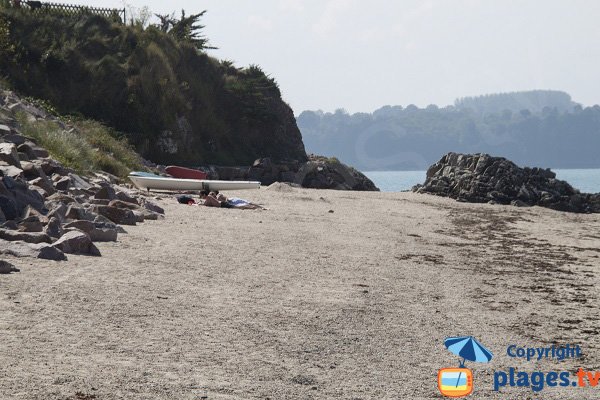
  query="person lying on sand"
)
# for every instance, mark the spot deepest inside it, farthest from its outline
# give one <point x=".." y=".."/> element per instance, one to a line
<point x="215" y="199"/>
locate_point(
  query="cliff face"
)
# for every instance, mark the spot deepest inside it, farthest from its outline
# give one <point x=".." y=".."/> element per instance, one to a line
<point x="174" y="103"/>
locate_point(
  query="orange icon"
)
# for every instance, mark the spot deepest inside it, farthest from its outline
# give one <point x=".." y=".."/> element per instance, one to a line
<point x="455" y="382"/>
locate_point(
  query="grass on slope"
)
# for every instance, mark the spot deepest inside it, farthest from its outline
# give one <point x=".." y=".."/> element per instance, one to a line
<point x="89" y="147"/>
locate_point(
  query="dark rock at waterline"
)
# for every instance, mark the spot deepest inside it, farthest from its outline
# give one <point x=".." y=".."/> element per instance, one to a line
<point x="481" y="178"/>
<point x="324" y="173"/>
<point x="317" y="173"/>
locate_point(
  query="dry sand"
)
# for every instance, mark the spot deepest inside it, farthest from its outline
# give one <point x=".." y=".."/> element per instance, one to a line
<point x="298" y="302"/>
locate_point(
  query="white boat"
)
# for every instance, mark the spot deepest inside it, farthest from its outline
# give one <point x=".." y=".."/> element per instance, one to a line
<point x="146" y="181"/>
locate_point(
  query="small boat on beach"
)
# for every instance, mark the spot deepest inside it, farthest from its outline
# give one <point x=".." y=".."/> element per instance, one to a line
<point x="185" y="173"/>
<point x="148" y="181"/>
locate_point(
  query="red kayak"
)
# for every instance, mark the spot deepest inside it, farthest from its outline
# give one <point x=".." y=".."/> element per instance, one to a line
<point x="185" y="173"/>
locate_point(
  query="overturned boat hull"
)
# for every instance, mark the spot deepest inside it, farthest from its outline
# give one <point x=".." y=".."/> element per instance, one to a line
<point x="147" y="181"/>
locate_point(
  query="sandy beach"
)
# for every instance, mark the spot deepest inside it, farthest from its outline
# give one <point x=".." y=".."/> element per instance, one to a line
<point x="325" y="295"/>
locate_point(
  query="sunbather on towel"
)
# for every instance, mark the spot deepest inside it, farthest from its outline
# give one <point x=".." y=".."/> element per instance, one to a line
<point x="215" y="199"/>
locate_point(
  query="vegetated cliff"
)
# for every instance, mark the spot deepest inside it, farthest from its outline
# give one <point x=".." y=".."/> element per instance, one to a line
<point x="156" y="84"/>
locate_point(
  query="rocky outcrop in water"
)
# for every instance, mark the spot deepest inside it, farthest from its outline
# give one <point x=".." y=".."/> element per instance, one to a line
<point x="481" y="178"/>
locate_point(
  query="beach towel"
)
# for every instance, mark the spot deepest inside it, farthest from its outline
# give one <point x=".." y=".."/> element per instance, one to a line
<point x="236" y="202"/>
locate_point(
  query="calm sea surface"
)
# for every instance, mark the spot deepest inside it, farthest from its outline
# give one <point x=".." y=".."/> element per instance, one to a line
<point x="586" y="180"/>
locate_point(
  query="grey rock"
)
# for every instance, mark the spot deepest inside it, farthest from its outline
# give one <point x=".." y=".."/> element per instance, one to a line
<point x="323" y="173"/>
<point x="102" y="222"/>
<point x="40" y="152"/>
<point x="124" y="204"/>
<point x="103" y="235"/>
<point x="32" y="171"/>
<point x="8" y="154"/>
<point x="63" y="183"/>
<point x="61" y="198"/>
<point x="105" y="193"/>
<point x="150" y="215"/>
<point x="97" y="234"/>
<point x="7" y="268"/>
<point x="32" y="212"/>
<point x="8" y="207"/>
<point x="78" y="182"/>
<point x="10" y="170"/>
<point x="105" y="176"/>
<point x="139" y="215"/>
<point x="14" y="138"/>
<point x="29" y="237"/>
<point x="83" y="225"/>
<point x="117" y="215"/>
<point x="78" y="212"/>
<point x="76" y="242"/>
<point x="148" y="205"/>
<point x="27" y="149"/>
<point x="12" y="225"/>
<point x="24" y="249"/>
<point x="102" y="202"/>
<point x="57" y="210"/>
<point x="126" y="197"/>
<point x="44" y="184"/>
<point x="30" y="224"/>
<point x="53" y="228"/>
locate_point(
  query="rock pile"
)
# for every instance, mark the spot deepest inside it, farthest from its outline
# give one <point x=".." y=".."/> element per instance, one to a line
<point x="481" y="178"/>
<point x="47" y="210"/>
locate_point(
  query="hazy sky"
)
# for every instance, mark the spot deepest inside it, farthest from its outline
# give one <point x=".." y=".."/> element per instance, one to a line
<point x="359" y="55"/>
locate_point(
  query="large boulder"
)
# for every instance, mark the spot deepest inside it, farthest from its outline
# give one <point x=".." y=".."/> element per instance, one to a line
<point x="325" y="173"/>
<point x="24" y="249"/>
<point x="105" y="193"/>
<point x="19" y="195"/>
<point x="481" y="178"/>
<point x="29" y="237"/>
<point x="97" y="232"/>
<point x="76" y="242"/>
<point x="122" y="216"/>
<point x="10" y="170"/>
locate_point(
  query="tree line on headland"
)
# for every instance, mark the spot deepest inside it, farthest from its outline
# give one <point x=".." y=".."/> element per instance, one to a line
<point x="541" y="128"/>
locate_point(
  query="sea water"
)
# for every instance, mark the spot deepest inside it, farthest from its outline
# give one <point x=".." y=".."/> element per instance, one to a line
<point x="586" y="180"/>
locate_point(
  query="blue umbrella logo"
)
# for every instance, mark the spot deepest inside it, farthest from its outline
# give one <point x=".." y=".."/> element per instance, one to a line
<point x="467" y="348"/>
